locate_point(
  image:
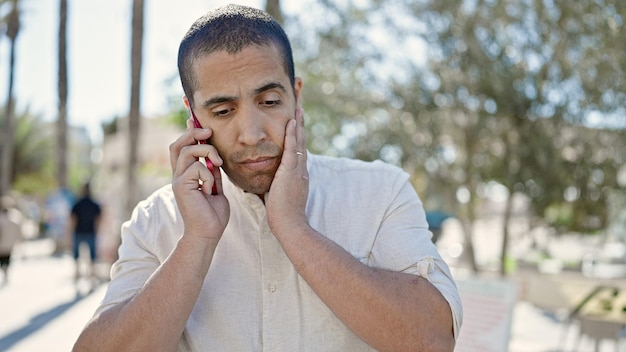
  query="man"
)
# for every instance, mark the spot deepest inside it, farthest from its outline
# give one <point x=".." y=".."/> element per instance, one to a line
<point x="294" y="252"/>
<point x="85" y="220"/>
<point x="10" y="235"/>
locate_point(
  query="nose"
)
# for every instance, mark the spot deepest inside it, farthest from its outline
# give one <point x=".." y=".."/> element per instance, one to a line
<point x="251" y="124"/>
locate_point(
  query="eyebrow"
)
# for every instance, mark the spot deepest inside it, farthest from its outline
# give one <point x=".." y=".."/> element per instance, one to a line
<point x="227" y="99"/>
<point x="218" y="100"/>
<point x="270" y="86"/>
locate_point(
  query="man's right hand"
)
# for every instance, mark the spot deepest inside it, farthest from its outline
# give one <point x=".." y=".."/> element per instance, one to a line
<point x="205" y="215"/>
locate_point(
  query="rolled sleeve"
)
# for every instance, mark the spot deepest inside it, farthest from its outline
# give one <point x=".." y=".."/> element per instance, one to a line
<point x="404" y="244"/>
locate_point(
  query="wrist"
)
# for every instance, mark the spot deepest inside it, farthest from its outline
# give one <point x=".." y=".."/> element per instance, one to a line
<point x="196" y="249"/>
<point x="292" y="230"/>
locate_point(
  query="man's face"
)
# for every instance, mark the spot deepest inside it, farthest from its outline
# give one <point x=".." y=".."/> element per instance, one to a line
<point x="247" y="99"/>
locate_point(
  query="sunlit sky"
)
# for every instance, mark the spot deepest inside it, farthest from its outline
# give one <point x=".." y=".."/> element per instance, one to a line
<point x="98" y="57"/>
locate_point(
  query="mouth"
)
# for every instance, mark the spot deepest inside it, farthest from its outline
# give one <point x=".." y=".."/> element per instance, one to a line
<point x="259" y="164"/>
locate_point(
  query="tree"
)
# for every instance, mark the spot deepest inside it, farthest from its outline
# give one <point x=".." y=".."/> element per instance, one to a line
<point x="134" y="116"/>
<point x="340" y="96"/>
<point x="520" y="74"/>
<point x="33" y="156"/>
<point x="506" y="95"/>
<point x="6" y="169"/>
<point x="61" y="173"/>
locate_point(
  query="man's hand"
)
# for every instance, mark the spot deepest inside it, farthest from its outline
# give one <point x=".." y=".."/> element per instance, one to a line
<point x="290" y="188"/>
<point x="204" y="215"/>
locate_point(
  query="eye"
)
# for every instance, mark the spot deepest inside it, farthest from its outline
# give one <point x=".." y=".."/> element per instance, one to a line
<point x="270" y="103"/>
<point x="222" y="112"/>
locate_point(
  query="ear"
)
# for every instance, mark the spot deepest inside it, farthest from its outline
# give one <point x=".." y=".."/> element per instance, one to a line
<point x="297" y="87"/>
<point x="186" y="102"/>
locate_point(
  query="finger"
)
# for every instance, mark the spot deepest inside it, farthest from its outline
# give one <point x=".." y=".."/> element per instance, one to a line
<point x="300" y="131"/>
<point x="204" y="175"/>
<point x="300" y="137"/>
<point x="190" y="137"/>
<point x="290" y="158"/>
<point x="195" y="177"/>
<point x="214" y="156"/>
<point x="192" y="153"/>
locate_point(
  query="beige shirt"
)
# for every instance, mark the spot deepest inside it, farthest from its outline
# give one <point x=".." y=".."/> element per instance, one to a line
<point x="252" y="298"/>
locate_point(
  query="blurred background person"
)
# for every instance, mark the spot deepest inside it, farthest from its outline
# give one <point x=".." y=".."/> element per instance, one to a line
<point x="85" y="220"/>
<point x="57" y="210"/>
<point x="10" y="234"/>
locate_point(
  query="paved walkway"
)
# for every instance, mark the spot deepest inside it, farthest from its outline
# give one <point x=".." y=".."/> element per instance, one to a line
<point x="41" y="310"/>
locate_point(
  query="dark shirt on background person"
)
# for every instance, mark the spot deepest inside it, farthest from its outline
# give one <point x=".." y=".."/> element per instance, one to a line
<point x="85" y="220"/>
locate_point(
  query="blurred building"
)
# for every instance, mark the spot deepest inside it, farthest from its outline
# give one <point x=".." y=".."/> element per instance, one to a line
<point x="153" y="172"/>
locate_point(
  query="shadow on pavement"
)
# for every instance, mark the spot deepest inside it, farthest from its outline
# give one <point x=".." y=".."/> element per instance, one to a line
<point x="39" y="321"/>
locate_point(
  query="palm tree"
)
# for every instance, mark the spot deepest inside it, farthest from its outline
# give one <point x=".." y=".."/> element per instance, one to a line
<point x="12" y="30"/>
<point x="61" y="174"/>
<point x="134" y="115"/>
<point x="33" y="155"/>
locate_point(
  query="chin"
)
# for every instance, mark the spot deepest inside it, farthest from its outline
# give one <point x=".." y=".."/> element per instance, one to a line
<point x="257" y="190"/>
<point x="260" y="185"/>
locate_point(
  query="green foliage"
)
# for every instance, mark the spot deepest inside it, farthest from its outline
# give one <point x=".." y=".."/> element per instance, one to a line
<point x="527" y="94"/>
<point x="38" y="184"/>
<point x="520" y="80"/>
<point x="178" y="114"/>
<point x="506" y="91"/>
<point x="33" y="158"/>
<point x="109" y="127"/>
<point x="178" y="117"/>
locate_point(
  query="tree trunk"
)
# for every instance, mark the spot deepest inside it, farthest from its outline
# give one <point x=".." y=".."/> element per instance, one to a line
<point x="508" y="209"/>
<point x="8" y="140"/>
<point x="466" y="215"/>
<point x="468" y="231"/>
<point x="471" y="141"/>
<point x="272" y="7"/>
<point x="61" y="175"/>
<point x="134" y="116"/>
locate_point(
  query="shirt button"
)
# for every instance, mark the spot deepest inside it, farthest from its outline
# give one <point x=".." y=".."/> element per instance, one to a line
<point x="271" y="288"/>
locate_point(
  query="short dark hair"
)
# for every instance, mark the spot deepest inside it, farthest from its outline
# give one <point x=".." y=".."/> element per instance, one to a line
<point x="230" y="28"/>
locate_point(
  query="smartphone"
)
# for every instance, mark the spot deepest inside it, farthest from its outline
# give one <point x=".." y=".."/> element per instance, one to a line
<point x="208" y="162"/>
